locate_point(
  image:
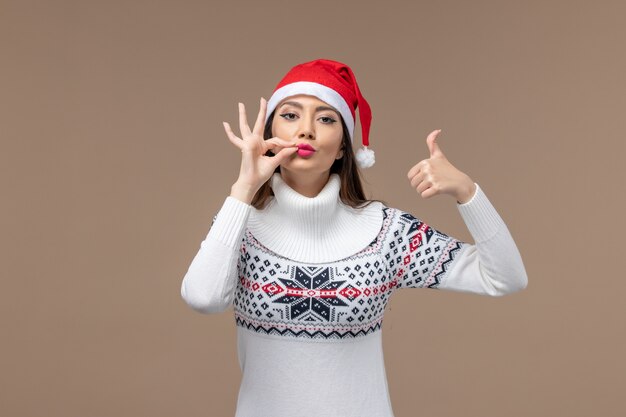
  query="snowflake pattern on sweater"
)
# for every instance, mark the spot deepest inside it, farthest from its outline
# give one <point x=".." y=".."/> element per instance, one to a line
<point x="345" y="298"/>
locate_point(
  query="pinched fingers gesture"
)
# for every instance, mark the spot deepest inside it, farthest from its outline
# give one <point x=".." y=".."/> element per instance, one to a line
<point x="256" y="167"/>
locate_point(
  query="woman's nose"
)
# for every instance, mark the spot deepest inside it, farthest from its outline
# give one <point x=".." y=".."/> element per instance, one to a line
<point x="306" y="131"/>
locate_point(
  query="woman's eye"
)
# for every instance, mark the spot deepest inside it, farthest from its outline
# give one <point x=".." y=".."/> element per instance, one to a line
<point x="325" y="119"/>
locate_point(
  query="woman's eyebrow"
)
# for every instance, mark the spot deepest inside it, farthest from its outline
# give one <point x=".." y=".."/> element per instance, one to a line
<point x="318" y="108"/>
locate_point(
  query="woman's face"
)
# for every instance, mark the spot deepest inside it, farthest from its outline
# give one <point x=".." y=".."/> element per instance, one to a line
<point x="308" y="120"/>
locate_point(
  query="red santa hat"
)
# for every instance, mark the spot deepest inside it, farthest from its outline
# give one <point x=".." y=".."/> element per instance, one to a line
<point x="334" y="83"/>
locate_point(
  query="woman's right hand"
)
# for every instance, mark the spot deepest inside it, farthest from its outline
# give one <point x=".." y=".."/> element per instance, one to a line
<point x="256" y="168"/>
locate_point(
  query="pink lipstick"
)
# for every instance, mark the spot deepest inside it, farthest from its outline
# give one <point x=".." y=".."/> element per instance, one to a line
<point x="305" y="150"/>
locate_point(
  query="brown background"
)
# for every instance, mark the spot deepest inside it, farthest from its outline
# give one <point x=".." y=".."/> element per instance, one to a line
<point x="114" y="160"/>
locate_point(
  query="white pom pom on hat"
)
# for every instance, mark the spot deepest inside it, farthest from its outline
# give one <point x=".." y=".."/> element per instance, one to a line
<point x="335" y="83"/>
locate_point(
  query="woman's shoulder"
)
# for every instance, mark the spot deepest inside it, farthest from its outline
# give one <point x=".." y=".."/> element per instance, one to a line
<point x="397" y="220"/>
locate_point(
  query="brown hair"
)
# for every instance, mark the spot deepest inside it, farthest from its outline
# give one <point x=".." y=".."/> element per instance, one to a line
<point x="351" y="190"/>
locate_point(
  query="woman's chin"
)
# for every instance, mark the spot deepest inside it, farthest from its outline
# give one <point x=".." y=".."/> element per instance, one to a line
<point x="302" y="165"/>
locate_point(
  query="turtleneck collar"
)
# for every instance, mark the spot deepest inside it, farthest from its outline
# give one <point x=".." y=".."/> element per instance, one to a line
<point x="314" y="229"/>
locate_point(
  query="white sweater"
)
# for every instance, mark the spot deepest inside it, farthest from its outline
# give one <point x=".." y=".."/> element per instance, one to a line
<point x="309" y="280"/>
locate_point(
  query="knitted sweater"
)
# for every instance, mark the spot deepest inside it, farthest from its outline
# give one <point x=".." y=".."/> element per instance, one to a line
<point x="309" y="280"/>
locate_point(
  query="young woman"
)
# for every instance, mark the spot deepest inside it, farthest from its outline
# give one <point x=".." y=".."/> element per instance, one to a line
<point x="309" y="264"/>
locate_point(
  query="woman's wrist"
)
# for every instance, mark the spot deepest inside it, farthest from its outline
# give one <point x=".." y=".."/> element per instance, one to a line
<point x="242" y="193"/>
<point x="469" y="193"/>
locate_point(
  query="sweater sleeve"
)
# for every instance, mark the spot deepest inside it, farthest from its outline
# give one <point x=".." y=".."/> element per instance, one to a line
<point x="210" y="282"/>
<point x="419" y="256"/>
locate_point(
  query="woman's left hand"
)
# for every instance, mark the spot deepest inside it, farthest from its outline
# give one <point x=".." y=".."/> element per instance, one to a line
<point x="436" y="175"/>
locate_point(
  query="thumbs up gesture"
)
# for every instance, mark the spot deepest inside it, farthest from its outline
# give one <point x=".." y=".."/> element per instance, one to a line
<point x="436" y="175"/>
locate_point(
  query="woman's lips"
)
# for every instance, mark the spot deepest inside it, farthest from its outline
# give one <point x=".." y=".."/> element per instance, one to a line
<point x="305" y="150"/>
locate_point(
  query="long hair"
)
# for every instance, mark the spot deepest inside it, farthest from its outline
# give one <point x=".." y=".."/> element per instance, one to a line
<point x="351" y="190"/>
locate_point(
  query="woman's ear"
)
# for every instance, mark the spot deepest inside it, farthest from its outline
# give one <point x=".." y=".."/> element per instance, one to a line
<point x="340" y="154"/>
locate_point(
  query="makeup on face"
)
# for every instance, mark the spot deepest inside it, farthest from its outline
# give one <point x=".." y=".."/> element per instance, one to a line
<point x="305" y="150"/>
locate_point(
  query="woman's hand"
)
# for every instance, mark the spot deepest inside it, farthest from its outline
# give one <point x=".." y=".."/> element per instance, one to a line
<point x="436" y="175"/>
<point x="256" y="167"/>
